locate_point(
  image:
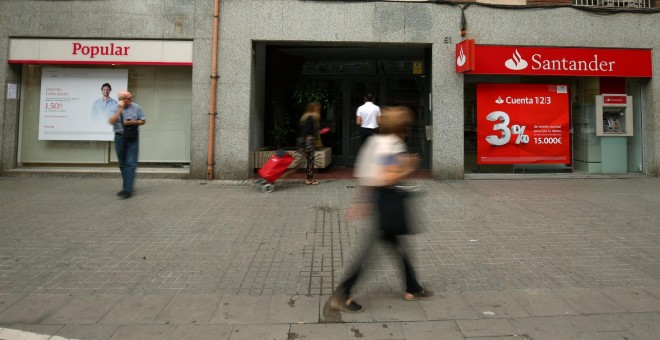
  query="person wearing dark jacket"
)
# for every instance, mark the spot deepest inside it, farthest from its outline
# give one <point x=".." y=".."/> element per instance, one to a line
<point x="310" y="122"/>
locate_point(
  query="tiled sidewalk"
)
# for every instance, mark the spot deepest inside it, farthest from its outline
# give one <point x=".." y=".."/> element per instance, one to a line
<point x="543" y="258"/>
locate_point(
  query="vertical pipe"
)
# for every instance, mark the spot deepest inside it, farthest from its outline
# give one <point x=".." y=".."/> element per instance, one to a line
<point x="214" y="87"/>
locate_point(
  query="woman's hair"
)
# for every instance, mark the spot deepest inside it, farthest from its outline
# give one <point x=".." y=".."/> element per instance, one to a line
<point x="395" y="119"/>
<point x="313" y="109"/>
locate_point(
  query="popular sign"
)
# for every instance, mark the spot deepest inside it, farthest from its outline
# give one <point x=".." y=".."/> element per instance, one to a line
<point x="522" y="124"/>
<point x="555" y="61"/>
<point x="100" y="52"/>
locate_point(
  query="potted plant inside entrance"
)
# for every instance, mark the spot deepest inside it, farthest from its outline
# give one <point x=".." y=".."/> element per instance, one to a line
<point x="286" y="111"/>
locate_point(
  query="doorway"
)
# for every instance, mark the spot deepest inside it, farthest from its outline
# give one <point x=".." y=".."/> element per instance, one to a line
<point x="395" y="75"/>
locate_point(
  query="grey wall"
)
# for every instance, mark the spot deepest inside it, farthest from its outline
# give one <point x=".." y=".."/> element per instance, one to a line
<point x="243" y="22"/>
<point x="119" y="19"/>
<point x="571" y="27"/>
<point x="368" y="22"/>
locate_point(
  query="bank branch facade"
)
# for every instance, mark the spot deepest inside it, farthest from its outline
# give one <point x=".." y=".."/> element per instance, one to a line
<point x="496" y="90"/>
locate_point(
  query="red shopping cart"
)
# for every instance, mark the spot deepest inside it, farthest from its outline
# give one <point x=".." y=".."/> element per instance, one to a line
<point x="273" y="170"/>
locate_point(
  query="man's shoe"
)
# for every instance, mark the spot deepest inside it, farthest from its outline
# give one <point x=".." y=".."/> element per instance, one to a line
<point x="122" y="193"/>
<point x="125" y="195"/>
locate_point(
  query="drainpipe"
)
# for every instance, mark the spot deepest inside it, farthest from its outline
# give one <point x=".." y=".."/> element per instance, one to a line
<point x="214" y="87"/>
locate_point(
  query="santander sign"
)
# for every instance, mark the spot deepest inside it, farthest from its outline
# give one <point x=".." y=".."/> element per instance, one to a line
<point x="556" y="61"/>
<point x="517" y="63"/>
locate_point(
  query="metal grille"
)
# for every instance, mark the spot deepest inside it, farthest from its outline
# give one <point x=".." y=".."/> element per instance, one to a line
<point x="615" y="3"/>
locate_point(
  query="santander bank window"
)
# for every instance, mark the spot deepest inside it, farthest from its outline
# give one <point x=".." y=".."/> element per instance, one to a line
<point x="536" y="109"/>
<point x="552" y="125"/>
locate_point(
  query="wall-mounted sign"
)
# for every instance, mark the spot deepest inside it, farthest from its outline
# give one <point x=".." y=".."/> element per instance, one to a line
<point x="418" y="67"/>
<point x="74" y="104"/>
<point x="522" y="124"/>
<point x="615" y="99"/>
<point x="559" y="61"/>
<point x="465" y="56"/>
<point x="101" y="52"/>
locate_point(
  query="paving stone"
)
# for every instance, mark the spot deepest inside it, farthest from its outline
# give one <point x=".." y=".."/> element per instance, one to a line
<point x="136" y="309"/>
<point x="318" y="331"/>
<point x="388" y="307"/>
<point x="611" y="326"/>
<point x="542" y="302"/>
<point x="264" y="331"/>
<point x="653" y="290"/>
<point x="589" y="300"/>
<point x="18" y="334"/>
<point x="83" y="310"/>
<point x="494" y="304"/>
<point x="546" y="328"/>
<point x="32" y="309"/>
<point x="376" y="330"/>
<point x="448" y="306"/>
<point x="143" y="332"/>
<point x="7" y="300"/>
<point x="633" y="299"/>
<point x="446" y="330"/>
<point x="293" y="309"/>
<point x="202" y="332"/>
<point x="189" y="309"/>
<point x="486" y="328"/>
<point x="87" y="332"/>
<point x="643" y="325"/>
<point x="241" y="309"/>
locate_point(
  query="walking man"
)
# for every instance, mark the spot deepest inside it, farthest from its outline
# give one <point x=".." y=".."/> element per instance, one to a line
<point x="125" y="121"/>
<point x="368" y="117"/>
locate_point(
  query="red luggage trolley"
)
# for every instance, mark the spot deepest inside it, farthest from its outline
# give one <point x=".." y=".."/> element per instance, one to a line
<point x="272" y="170"/>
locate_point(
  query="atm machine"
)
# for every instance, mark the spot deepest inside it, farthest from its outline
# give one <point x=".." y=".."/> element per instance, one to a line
<point x="614" y="122"/>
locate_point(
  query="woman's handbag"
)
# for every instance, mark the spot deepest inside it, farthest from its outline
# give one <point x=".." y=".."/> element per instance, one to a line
<point x="392" y="213"/>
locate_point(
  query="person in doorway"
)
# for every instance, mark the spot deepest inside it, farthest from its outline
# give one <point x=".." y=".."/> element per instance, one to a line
<point x="368" y="117"/>
<point x="102" y="107"/>
<point x="381" y="166"/>
<point x="310" y="123"/>
<point x="127" y="118"/>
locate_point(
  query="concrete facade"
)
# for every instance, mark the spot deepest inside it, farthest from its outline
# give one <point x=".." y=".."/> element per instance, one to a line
<point x="244" y="23"/>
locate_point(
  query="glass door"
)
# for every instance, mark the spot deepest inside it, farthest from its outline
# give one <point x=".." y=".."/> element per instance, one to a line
<point x="357" y="89"/>
<point x="411" y="92"/>
<point x="346" y="95"/>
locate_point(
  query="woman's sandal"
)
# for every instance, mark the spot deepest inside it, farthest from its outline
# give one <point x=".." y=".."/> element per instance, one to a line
<point x="311" y="182"/>
<point x="421" y="295"/>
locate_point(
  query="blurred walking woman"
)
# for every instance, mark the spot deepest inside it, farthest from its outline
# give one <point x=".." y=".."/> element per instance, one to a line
<point x="382" y="164"/>
<point x="309" y="130"/>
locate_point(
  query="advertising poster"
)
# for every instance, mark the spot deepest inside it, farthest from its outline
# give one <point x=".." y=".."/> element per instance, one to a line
<point x="522" y="124"/>
<point x="74" y="105"/>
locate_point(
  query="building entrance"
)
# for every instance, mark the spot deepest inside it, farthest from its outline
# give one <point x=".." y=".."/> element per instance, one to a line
<point x="340" y="77"/>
